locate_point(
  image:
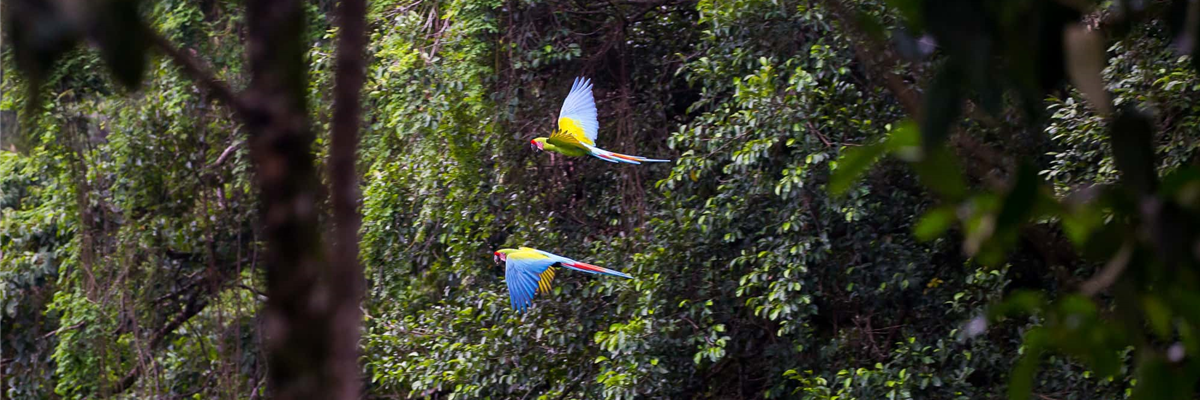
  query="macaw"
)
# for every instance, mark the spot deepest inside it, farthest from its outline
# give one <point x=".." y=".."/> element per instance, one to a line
<point x="577" y="127"/>
<point x="530" y="271"/>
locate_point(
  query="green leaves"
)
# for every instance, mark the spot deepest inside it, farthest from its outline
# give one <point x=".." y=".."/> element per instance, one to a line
<point x="1072" y="324"/>
<point x="1022" y="378"/>
<point x="911" y="11"/>
<point x="744" y="270"/>
<point x="934" y="223"/>
<point x="853" y="162"/>
<point x="937" y="166"/>
<point x="939" y="170"/>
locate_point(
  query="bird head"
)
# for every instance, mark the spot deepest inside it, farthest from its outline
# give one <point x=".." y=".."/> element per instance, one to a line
<point x="501" y="255"/>
<point x="538" y="144"/>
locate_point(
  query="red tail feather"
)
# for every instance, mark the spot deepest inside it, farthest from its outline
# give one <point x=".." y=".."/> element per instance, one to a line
<point x="587" y="266"/>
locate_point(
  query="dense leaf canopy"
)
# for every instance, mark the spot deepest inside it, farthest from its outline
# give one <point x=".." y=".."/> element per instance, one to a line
<point x="867" y="199"/>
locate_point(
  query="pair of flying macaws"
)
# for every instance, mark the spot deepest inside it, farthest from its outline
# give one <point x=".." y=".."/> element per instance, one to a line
<point x="529" y="271"/>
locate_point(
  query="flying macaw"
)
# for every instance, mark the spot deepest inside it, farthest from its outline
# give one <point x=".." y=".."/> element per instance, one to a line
<point x="577" y="127"/>
<point x="530" y="271"/>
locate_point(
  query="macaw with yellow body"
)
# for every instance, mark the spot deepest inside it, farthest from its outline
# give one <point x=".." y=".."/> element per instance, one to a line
<point x="577" y="128"/>
<point x="529" y="271"/>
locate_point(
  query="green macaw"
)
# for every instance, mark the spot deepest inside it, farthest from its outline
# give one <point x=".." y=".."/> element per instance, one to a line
<point x="577" y="128"/>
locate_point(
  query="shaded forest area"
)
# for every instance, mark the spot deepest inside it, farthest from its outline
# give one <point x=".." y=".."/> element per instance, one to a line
<point x="944" y="199"/>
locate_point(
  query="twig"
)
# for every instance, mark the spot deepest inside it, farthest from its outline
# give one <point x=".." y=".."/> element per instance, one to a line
<point x="60" y="330"/>
<point x="198" y="72"/>
<point x="257" y="386"/>
<point x="566" y="391"/>
<point x="818" y="133"/>
<point x="253" y="290"/>
<point x="225" y="154"/>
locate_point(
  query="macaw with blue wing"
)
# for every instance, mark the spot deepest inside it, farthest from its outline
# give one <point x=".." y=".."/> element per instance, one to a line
<point x="577" y="128"/>
<point x="530" y="271"/>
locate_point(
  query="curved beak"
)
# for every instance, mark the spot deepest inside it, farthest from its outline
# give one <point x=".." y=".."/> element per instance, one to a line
<point x="497" y="257"/>
<point x="535" y="145"/>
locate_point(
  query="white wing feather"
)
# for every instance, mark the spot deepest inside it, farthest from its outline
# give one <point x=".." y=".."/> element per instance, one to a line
<point x="581" y="107"/>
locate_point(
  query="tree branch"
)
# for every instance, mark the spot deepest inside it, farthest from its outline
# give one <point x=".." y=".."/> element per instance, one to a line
<point x="204" y="78"/>
<point x="61" y="330"/>
<point x="194" y="307"/>
<point x="226" y="154"/>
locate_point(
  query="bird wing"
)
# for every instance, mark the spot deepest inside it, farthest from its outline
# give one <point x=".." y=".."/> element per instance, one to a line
<point x="527" y="273"/>
<point x="578" y="114"/>
<point x="562" y="138"/>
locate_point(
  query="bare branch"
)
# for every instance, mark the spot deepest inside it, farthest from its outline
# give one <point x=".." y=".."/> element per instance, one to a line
<point x="226" y="154"/>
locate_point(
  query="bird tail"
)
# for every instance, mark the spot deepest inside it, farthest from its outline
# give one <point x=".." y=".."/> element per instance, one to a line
<point x="618" y="157"/>
<point x="592" y="269"/>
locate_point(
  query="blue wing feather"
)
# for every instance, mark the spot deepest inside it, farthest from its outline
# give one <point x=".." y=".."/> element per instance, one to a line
<point x="522" y="277"/>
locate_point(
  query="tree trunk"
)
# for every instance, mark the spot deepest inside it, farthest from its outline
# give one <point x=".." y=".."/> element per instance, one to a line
<point x="343" y="177"/>
<point x="310" y="318"/>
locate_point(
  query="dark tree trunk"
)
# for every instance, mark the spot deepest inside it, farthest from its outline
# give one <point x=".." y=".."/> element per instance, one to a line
<point x="310" y="316"/>
<point x="343" y="177"/>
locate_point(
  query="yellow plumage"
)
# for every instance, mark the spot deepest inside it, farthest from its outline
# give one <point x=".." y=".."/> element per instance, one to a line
<point x="545" y="279"/>
<point x="569" y="130"/>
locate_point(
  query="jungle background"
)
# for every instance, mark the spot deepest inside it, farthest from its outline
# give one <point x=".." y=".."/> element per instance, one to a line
<point x="868" y="199"/>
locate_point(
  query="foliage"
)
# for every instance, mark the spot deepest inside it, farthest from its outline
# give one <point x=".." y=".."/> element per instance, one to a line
<point x="814" y="237"/>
